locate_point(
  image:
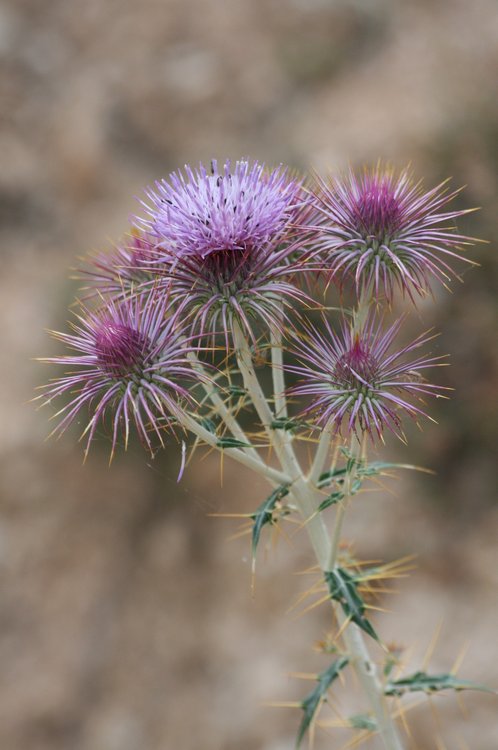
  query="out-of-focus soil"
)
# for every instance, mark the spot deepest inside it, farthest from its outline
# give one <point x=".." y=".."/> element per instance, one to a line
<point x="126" y="616"/>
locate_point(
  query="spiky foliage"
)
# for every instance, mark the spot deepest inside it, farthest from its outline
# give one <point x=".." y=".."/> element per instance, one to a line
<point x="357" y="381"/>
<point x="130" y="367"/>
<point x="129" y="268"/>
<point x="384" y="231"/>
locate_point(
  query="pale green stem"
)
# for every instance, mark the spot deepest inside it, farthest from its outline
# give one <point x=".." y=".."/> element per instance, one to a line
<point x="367" y="673"/>
<point x="361" y="660"/>
<point x="307" y="497"/>
<point x="280" y="400"/>
<point x="361" y="312"/>
<point x="283" y="449"/>
<point x="278" y="375"/>
<point x="304" y="500"/>
<point x="335" y="455"/>
<point x="321" y="454"/>
<point x="336" y="535"/>
<point x="251" y="382"/>
<point x="256" y="464"/>
<point x="222" y="410"/>
<point x="356" y="453"/>
<point x="363" y="664"/>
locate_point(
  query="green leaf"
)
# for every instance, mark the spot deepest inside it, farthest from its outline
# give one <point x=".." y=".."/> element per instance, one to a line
<point x="377" y="467"/>
<point x="208" y="424"/>
<point x="362" y="470"/>
<point x="343" y="589"/>
<point x="311" y="703"/>
<point x="363" y="721"/>
<point x="421" y="681"/>
<point x="338" y="495"/>
<point x="236" y="390"/>
<point x="328" y="477"/>
<point x="264" y="514"/>
<point x="332" y="499"/>
<point x="351" y="463"/>
<point x="289" y="425"/>
<point x="230" y="442"/>
<point x="389" y="665"/>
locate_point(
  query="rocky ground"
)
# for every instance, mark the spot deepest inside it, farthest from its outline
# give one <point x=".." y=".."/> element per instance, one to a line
<point x="126" y="617"/>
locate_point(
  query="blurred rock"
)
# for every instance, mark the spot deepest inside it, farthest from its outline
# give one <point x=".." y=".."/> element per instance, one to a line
<point x="126" y="618"/>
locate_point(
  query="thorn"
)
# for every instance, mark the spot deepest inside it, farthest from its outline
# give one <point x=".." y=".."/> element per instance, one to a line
<point x="435" y="715"/>
<point x="432" y="646"/>
<point x="461" y="656"/>
<point x="378" y="609"/>
<point x="318" y="603"/>
<point x="342" y="628"/>
<point x="303" y="675"/>
<point x="461" y="705"/>
<point x="401" y="712"/>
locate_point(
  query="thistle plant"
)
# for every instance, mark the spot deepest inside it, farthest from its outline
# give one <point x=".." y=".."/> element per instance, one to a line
<point x="226" y="264"/>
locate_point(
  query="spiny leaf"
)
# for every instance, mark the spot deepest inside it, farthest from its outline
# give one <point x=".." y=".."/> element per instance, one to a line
<point x="312" y="701"/>
<point x="377" y="467"/>
<point x="351" y="463"/>
<point x="394" y="569"/>
<point x="343" y="589"/>
<point x="389" y="665"/>
<point x="230" y="442"/>
<point x="328" y="477"/>
<point x="421" y="681"/>
<point x="288" y="425"/>
<point x="236" y="390"/>
<point x="362" y="470"/>
<point x="351" y="459"/>
<point x="363" y="721"/>
<point x="332" y="499"/>
<point x="264" y="514"/>
<point x="338" y="495"/>
<point x="208" y="424"/>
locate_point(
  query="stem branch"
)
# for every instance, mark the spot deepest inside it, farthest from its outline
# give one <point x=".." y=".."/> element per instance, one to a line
<point x="256" y="464"/>
<point x="222" y="410"/>
<point x="277" y="362"/>
<point x="307" y="497"/>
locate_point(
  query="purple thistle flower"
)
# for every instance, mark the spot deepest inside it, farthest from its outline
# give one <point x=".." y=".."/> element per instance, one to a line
<point x="200" y="212"/>
<point x="384" y="231"/>
<point x="130" y="366"/>
<point x="356" y="381"/>
<point x="128" y="268"/>
<point x="226" y="241"/>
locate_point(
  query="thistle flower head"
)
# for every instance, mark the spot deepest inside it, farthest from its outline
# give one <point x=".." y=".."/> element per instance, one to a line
<point x="130" y="366"/>
<point x="226" y="242"/>
<point x="229" y="209"/>
<point x="130" y="267"/>
<point x="357" y="381"/>
<point x="385" y="232"/>
<point x="121" y="350"/>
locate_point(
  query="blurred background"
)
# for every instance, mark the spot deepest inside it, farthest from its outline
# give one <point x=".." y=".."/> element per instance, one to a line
<point x="126" y="617"/>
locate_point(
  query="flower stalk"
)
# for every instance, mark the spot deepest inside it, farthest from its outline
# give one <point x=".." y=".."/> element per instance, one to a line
<point x="273" y="475"/>
<point x="306" y="498"/>
<point x="277" y="365"/>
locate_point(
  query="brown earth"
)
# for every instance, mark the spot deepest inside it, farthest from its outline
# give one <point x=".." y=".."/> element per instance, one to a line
<point x="126" y="617"/>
